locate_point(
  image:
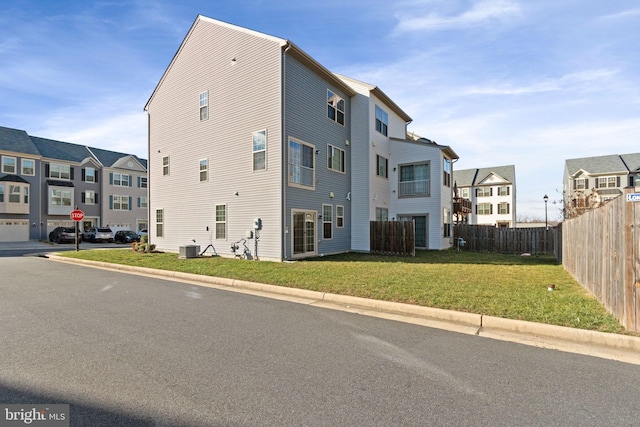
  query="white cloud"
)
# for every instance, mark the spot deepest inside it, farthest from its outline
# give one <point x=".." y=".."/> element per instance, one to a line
<point x="479" y="13"/>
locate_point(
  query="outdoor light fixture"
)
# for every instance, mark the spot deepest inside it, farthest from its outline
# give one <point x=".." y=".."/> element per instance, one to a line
<point x="546" y="221"/>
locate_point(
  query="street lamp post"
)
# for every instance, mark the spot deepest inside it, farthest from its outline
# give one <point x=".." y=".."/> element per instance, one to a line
<point x="546" y="221"/>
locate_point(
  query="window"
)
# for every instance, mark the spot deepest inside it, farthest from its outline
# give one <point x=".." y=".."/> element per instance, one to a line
<point x="14" y="194"/>
<point x="221" y="221"/>
<point x="607" y="181"/>
<point x="446" y="225"/>
<point x="327" y="222"/>
<point x="8" y="164"/>
<point x="301" y="164"/>
<point x="120" y="179"/>
<point x="142" y="182"/>
<point x="142" y="202"/>
<point x="335" y="107"/>
<point x="60" y="197"/>
<point x="414" y="180"/>
<point x="503" y="190"/>
<point x="204" y="105"/>
<point x="382" y="121"/>
<point x="204" y="170"/>
<point x="89" y="197"/>
<point x="464" y="193"/>
<point x="1" y="193"/>
<point x="339" y="216"/>
<point x="120" y="203"/>
<point x="165" y="165"/>
<point x="335" y="159"/>
<point x="484" y="209"/>
<point x="484" y="192"/>
<point x="382" y="214"/>
<point x="580" y="184"/>
<point x="503" y="208"/>
<point x="59" y="171"/>
<point x="89" y="175"/>
<point x="259" y="150"/>
<point x="446" y="171"/>
<point x="382" y="166"/>
<point x="159" y="222"/>
<point x="28" y="167"/>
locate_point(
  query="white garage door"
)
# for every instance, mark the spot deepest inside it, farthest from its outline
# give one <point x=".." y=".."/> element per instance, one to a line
<point x="14" y="230"/>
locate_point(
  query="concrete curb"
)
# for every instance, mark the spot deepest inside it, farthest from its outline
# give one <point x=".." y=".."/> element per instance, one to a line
<point x="488" y="326"/>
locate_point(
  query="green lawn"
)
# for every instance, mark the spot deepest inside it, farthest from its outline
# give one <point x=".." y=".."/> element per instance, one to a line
<point x="506" y="286"/>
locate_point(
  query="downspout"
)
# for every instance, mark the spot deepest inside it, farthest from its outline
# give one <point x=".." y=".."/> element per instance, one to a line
<point x="285" y="233"/>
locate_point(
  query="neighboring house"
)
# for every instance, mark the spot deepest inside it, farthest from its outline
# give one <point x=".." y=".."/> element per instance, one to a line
<point x="53" y="177"/>
<point x="396" y="176"/>
<point x="243" y="125"/>
<point x="593" y="180"/>
<point x="492" y="192"/>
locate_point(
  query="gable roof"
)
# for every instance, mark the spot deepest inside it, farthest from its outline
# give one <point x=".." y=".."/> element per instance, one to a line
<point x="286" y="46"/>
<point x="17" y="141"/>
<point x="59" y="150"/>
<point x="632" y="161"/>
<point x="109" y="158"/>
<point x="378" y="93"/>
<point x="471" y="177"/>
<point x="611" y="163"/>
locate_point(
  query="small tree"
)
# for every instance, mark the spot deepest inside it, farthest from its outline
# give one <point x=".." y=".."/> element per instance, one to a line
<point x="579" y="202"/>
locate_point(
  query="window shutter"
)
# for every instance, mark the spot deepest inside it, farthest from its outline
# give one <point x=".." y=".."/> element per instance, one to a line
<point x="490" y="191"/>
<point x="83" y="194"/>
<point x="111" y="202"/>
<point x="110" y="178"/>
<point x="139" y="179"/>
<point x="46" y="170"/>
<point x="84" y="175"/>
<point x="586" y="184"/>
<point x="71" y="173"/>
<point x="130" y="203"/>
<point x="130" y="182"/>
<point x="476" y="209"/>
<point x="95" y="176"/>
<point x="138" y="201"/>
<point x="617" y="181"/>
<point x="508" y="190"/>
<point x="597" y="182"/>
<point x="508" y="208"/>
<point x="95" y="197"/>
<point x="574" y="184"/>
<point x="491" y="209"/>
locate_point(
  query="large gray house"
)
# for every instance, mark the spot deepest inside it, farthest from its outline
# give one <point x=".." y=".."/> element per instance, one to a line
<point x="246" y="126"/>
<point x="43" y="180"/>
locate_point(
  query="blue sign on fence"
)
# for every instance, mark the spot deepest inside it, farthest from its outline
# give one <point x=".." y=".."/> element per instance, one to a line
<point x="633" y="197"/>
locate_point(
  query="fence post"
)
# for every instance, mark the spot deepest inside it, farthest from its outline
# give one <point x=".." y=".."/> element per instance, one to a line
<point x="630" y="288"/>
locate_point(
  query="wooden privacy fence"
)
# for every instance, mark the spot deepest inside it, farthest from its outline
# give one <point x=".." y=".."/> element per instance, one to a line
<point x="488" y="238"/>
<point x="392" y="238"/>
<point x="602" y="252"/>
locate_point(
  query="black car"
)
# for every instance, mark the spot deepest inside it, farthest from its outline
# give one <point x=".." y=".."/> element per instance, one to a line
<point x="64" y="234"/>
<point x="126" y="236"/>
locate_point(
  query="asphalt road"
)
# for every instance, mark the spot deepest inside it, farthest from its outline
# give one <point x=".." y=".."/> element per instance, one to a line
<point x="135" y="351"/>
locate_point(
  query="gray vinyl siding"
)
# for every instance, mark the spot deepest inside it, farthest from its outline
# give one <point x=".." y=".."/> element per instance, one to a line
<point x="363" y="171"/>
<point x="244" y="96"/>
<point x="306" y="120"/>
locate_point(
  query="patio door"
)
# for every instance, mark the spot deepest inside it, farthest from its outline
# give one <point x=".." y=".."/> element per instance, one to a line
<point x="304" y="233"/>
<point x="421" y="230"/>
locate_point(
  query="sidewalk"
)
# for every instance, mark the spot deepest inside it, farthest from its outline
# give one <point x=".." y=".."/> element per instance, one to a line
<point x="592" y="343"/>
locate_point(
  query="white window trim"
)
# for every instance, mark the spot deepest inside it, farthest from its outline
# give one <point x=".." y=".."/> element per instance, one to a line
<point x="204" y="105"/>
<point x="204" y="171"/>
<point x="313" y="166"/>
<point x="325" y="221"/>
<point x="15" y="165"/>
<point x="331" y="148"/>
<point x="22" y="167"/>
<point x="333" y="100"/>
<point x="59" y="166"/>
<point x="165" y="166"/>
<point x="86" y="198"/>
<point x="86" y="175"/>
<point x="254" y="151"/>
<point x="339" y="208"/>
<point x="160" y="223"/>
<point x="226" y="219"/>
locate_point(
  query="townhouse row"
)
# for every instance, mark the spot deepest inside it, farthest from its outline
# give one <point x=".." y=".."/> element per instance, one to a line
<point x="43" y="180"/>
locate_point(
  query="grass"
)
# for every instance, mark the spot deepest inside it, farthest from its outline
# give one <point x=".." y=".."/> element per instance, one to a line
<point x="505" y="286"/>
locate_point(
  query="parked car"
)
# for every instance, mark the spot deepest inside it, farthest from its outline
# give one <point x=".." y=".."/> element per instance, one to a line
<point x="126" y="236"/>
<point x="96" y="234"/>
<point x="141" y="233"/>
<point x="64" y="234"/>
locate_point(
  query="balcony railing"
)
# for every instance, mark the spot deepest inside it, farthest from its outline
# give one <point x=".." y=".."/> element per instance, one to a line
<point x="414" y="188"/>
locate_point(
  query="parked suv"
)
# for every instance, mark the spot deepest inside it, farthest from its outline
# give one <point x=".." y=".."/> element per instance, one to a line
<point x="63" y="234"/>
<point x="98" y="235"/>
<point x="126" y="236"/>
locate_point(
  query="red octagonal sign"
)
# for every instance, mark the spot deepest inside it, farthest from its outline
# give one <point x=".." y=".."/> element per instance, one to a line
<point x="77" y="215"/>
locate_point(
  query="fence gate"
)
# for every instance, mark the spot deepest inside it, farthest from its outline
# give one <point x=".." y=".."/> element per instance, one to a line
<point x="392" y="238"/>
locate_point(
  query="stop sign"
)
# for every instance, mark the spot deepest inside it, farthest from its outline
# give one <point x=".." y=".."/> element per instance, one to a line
<point x="77" y="215"/>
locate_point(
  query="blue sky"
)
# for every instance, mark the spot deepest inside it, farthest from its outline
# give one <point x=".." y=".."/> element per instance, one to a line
<point x="528" y="83"/>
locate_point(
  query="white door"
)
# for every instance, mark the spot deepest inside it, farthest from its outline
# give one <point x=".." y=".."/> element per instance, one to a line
<point x="14" y="230"/>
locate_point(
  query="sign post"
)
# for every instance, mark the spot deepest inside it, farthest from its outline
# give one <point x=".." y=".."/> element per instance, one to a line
<point x="77" y="215"/>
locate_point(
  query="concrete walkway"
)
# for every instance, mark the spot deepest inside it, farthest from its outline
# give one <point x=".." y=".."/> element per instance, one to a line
<point x="598" y="344"/>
